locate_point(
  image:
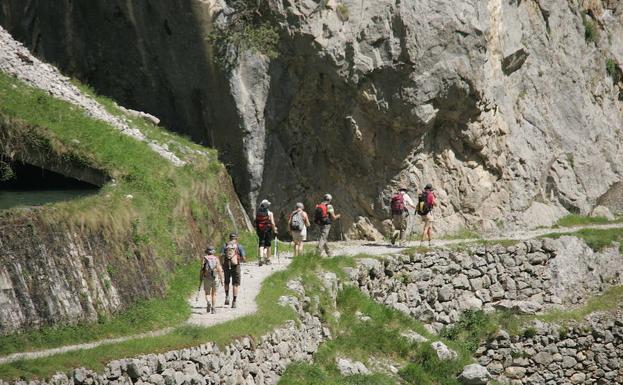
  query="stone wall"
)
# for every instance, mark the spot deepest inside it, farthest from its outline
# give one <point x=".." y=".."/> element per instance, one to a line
<point x="246" y="361"/>
<point x="530" y="276"/>
<point x="587" y="352"/>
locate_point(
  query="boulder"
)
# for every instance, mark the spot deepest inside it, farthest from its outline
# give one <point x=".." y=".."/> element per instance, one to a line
<point x="474" y="374"/>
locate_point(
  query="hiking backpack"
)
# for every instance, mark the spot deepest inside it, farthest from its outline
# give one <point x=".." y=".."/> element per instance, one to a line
<point x="425" y="203"/>
<point x="231" y="253"/>
<point x="209" y="267"/>
<point x="262" y="219"/>
<point x="321" y="216"/>
<point x="296" y="223"/>
<point x="398" y="204"/>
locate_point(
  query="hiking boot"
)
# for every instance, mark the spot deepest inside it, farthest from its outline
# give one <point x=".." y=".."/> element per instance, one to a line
<point x="208" y="308"/>
<point x="226" y="300"/>
<point x="233" y="304"/>
<point x="259" y="262"/>
<point x="268" y="262"/>
<point x="213" y="311"/>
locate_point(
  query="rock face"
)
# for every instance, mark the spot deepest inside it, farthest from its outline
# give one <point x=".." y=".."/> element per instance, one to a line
<point x="529" y="277"/>
<point x="507" y="107"/>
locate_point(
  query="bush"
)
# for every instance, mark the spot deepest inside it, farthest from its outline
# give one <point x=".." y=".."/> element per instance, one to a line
<point x="473" y="327"/>
<point x="612" y="68"/>
<point x="591" y="32"/>
<point x="342" y="12"/>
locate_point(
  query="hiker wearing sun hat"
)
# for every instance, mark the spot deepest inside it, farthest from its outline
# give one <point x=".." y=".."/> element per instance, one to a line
<point x="426" y="202"/>
<point x="400" y="204"/>
<point x="266" y="228"/>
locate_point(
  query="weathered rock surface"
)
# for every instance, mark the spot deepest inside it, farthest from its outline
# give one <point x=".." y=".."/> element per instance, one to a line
<point x="505" y="106"/>
<point x="529" y="277"/>
<point x="474" y="374"/>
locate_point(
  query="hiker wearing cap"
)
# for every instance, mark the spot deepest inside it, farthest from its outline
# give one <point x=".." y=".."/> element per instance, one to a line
<point x="233" y="255"/>
<point x="426" y="202"/>
<point x="266" y="228"/>
<point x="298" y="223"/>
<point x="400" y="204"/>
<point x="211" y="269"/>
<point x="324" y="216"/>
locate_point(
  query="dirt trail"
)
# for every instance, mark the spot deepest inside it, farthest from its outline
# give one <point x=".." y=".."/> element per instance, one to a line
<point x="252" y="278"/>
<point x="380" y="248"/>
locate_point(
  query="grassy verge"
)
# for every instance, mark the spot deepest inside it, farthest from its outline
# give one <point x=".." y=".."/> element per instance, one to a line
<point x="596" y="239"/>
<point x="581" y="220"/>
<point x="171" y="213"/>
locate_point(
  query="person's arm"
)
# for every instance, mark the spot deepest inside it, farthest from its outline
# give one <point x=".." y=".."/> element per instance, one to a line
<point x="201" y="271"/>
<point x="242" y="253"/>
<point x="272" y="221"/>
<point x="409" y="202"/>
<point x="290" y="222"/>
<point x="306" y="219"/>
<point x="333" y="215"/>
<point x="221" y="275"/>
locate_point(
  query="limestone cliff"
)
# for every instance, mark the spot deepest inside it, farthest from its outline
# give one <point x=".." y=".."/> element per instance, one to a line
<point x="511" y="108"/>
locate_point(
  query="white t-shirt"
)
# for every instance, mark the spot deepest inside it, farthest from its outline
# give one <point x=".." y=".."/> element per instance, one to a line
<point x="408" y="201"/>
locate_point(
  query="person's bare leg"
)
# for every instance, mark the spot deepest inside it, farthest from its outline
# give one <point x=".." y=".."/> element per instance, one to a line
<point x="213" y="299"/>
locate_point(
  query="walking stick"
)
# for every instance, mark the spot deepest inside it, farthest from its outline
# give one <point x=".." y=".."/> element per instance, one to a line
<point x="199" y="289"/>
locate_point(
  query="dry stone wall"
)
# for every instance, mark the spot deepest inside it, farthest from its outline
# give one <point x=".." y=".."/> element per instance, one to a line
<point x="587" y="352"/>
<point x="245" y="361"/>
<point x="531" y="276"/>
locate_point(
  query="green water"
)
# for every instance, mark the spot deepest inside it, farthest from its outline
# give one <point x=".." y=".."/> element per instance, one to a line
<point x="27" y="198"/>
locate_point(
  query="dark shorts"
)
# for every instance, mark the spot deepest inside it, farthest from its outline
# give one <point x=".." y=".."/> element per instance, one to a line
<point x="265" y="236"/>
<point x="232" y="275"/>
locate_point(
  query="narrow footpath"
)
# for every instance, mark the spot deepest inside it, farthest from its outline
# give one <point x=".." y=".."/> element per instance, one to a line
<point x="251" y="282"/>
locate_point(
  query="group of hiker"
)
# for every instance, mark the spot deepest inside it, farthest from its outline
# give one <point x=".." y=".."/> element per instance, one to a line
<point x="226" y="266"/>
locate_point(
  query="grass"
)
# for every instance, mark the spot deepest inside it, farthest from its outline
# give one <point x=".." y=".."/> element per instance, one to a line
<point x="591" y="31"/>
<point x="596" y="239"/>
<point x="608" y="300"/>
<point x="612" y="68"/>
<point x="582" y="220"/>
<point x="172" y="207"/>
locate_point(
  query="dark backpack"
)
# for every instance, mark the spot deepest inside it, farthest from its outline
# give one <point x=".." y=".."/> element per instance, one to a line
<point x="262" y="219"/>
<point x="321" y="216"/>
<point x="398" y="204"/>
<point x="424" y="205"/>
<point x="296" y="223"/>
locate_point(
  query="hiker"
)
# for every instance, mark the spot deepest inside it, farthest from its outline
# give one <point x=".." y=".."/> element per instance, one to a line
<point x="298" y="223"/>
<point x="211" y="269"/>
<point x="266" y="228"/>
<point x="324" y="216"/>
<point x="400" y="204"/>
<point x="426" y="202"/>
<point x="233" y="255"/>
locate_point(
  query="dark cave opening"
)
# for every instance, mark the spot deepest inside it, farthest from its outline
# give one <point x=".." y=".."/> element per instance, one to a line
<point x="24" y="185"/>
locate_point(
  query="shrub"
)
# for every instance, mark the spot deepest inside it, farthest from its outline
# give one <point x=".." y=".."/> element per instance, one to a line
<point x="612" y="68"/>
<point x="342" y="12"/>
<point x="591" y="32"/>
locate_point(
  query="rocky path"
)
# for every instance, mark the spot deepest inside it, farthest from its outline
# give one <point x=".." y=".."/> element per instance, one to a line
<point x="252" y="278"/>
<point x="380" y="248"/>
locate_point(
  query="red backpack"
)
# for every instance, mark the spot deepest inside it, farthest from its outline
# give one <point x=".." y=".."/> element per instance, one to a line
<point x="398" y="204"/>
<point x="321" y="216"/>
<point x="262" y="219"/>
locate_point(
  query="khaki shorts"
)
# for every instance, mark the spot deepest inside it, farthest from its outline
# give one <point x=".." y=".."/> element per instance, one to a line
<point x="209" y="284"/>
<point x="400" y="221"/>
<point x="428" y="218"/>
<point x="299" y="236"/>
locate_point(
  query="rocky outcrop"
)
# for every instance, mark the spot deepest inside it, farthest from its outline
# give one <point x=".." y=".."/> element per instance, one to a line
<point x="586" y="352"/>
<point x="507" y="107"/>
<point x="529" y="277"/>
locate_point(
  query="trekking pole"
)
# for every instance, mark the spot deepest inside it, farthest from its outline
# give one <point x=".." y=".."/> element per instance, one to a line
<point x="341" y="233"/>
<point x="198" y="290"/>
